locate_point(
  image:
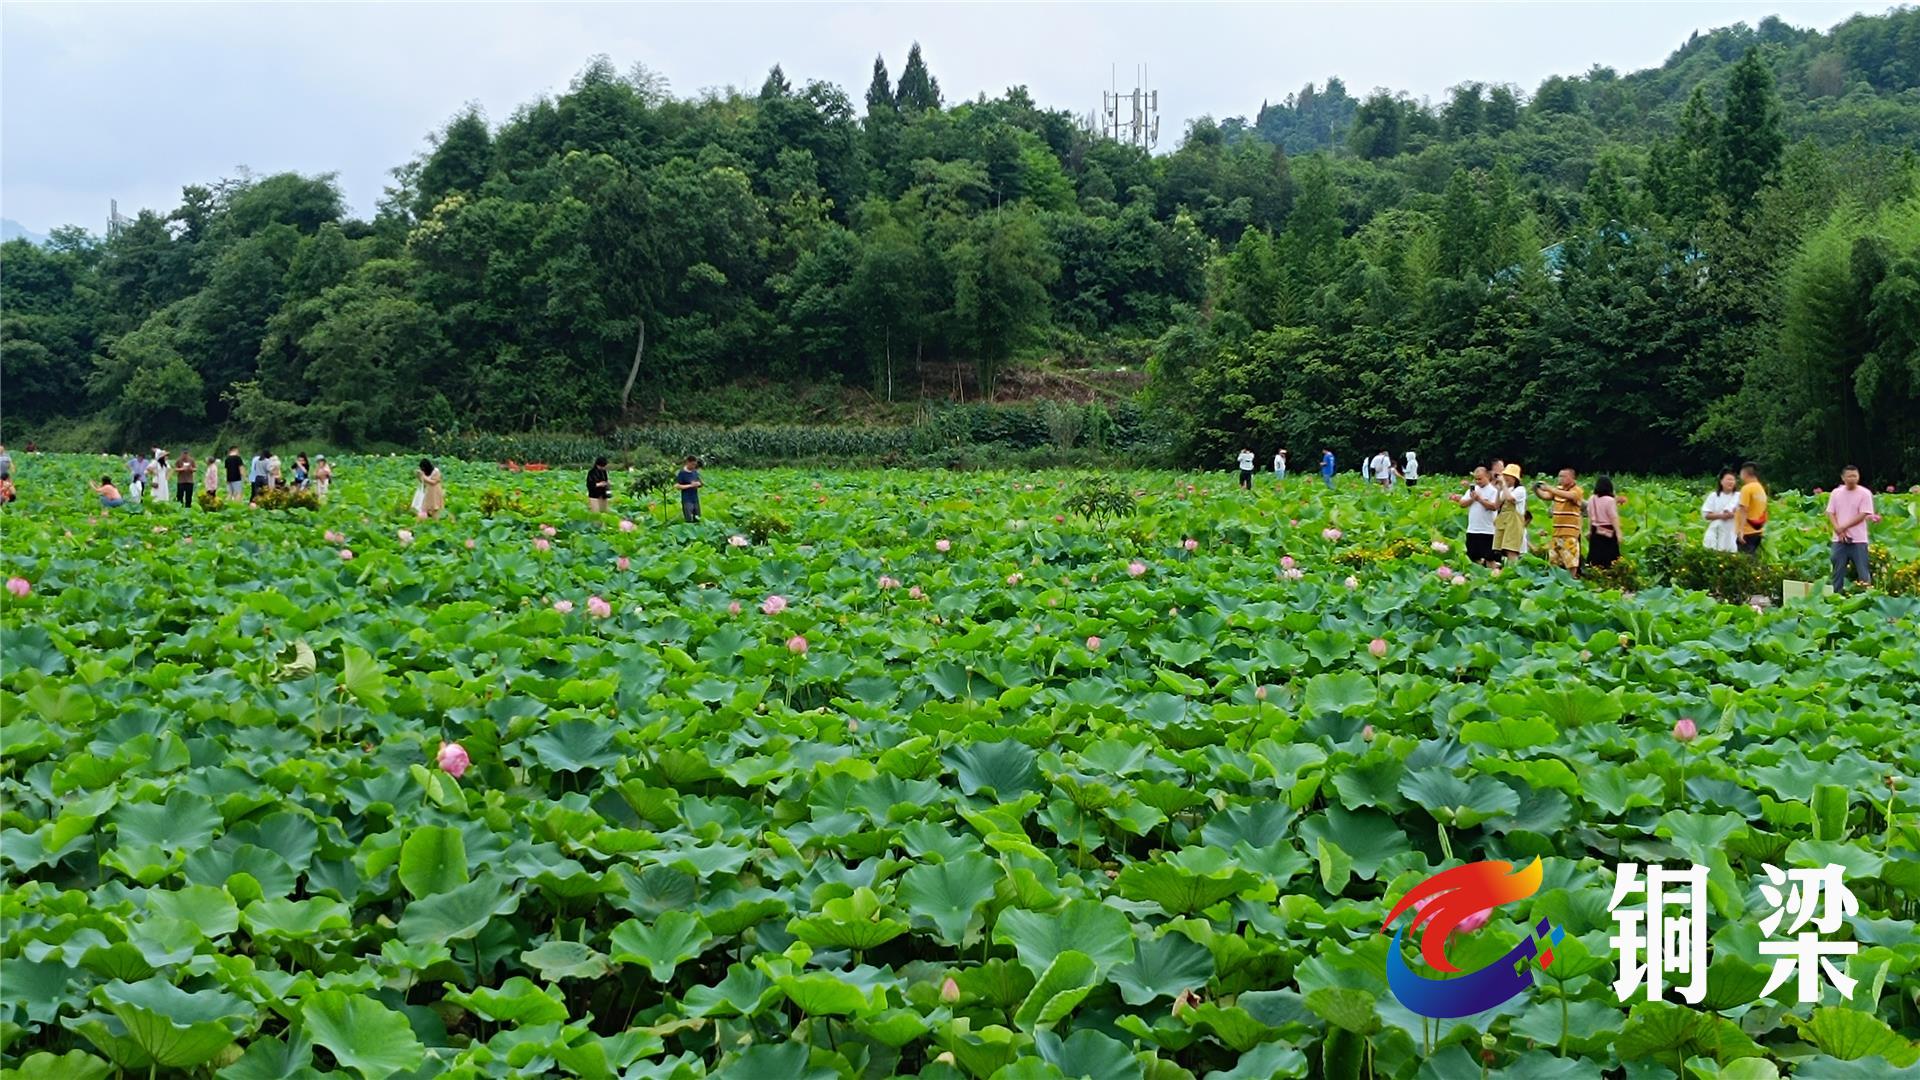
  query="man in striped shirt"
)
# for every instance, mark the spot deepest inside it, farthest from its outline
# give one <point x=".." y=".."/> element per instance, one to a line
<point x="1567" y="500"/>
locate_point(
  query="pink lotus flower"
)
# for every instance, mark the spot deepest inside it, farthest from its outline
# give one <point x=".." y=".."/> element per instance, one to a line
<point x="333" y="537"/>
<point x="1466" y="925"/>
<point x="733" y="608"/>
<point x="1014" y="578"/>
<point x="1685" y="730"/>
<point x="1378" y="647"/>
<point x="1330" y="534"/>
<point x="1190" y="543"/>
<point x="1366" y="733"/>
<point x="19" y="586"/>
<point x="916" y="593"/>
<point x="470" y="544"/>
<point x="598" y="608"/>
<point x="1440" y="546"/>
<point x="888" y="583"/>
<point x="1352" y="582"/>
<point x="1445" y="572"/>
<point x="564" y="607"/>
<point x="622" y="563"/>
<point x="1260" y="693"/>
<point x="943" y="544"/>
<point x="346" y="554"/>
<point x="1286" y="562"/>
<point x="1819" y="491"/>
<point x="797" y="644"/>
<point x="1093" y="643"/>
<point x="453" y="759"/>
<point x="626" y="525"/>
<point x="541" y="543"/>
<point x="1059" y="519"/>
<point x="852" y="725"/>
<point x="1293" y="521"/>
<point x="736" y="540"/>
<point x="548" y="530"/>
<point x="773" y="605"/>
<point x="1136" y="568"/>
<point x="405" y="535"/>
<point x="949" y="990"/>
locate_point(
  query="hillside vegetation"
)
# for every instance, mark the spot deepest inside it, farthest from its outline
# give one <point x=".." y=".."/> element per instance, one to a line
<point x="1654" y="270"/>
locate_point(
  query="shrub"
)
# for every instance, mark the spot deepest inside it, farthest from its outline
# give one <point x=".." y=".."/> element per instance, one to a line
<point x="1400" y="547"/>
<point x="287" y="498"/>
<point x="207" y="500"/>
<point x="762" y="525"/>
<point x="1100" y="499"/>
<point x="1622" y="575"/>
<point x="495" y="502"/>
<point x="1679" y="561"/>
<point x="1900" y="580"/>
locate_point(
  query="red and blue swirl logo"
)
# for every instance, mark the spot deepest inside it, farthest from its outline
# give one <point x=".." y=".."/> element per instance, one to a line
<point x="1441" y="904"/>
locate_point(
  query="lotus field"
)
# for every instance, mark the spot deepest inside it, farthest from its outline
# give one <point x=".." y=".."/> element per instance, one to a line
<point x="880" y="774"/>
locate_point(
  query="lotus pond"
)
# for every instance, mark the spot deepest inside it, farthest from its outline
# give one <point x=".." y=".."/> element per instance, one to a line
<point x="884" y="774"/>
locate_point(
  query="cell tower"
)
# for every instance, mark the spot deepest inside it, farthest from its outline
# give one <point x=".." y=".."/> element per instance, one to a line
<point x="1132" y="117"/>
<point x="114" y="221"/>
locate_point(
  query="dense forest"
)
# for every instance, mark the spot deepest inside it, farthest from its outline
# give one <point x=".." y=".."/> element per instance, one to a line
<point x="1658" y="270"/>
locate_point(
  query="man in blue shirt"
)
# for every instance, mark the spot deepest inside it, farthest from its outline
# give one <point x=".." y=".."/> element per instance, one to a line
<point x="1326" y="465"/>
<point x="689" y="482"/>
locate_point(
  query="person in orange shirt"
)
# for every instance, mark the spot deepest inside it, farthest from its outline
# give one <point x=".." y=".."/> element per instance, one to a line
<point x="1750" y="521"/>
<point x="109" y="495"/>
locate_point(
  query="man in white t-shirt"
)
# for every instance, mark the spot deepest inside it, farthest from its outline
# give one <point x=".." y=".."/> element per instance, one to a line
<point x="1381" y="468"/>
<point x="1246" y="468"/>
<point x="1411" y="474"/>
<point x="1481" y="500"/>
<point x="1279" y="465"/>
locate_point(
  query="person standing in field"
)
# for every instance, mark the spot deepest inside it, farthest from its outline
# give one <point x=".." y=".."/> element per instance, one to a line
<point x="1719" y="509"/>
<point x="599" y="487"/>
<point x="1563" y="549"/>
<point x="1326" y="467"/>
<point x="257" y="474"/>
<point x="1481" y="499"/>
<point x="689" y="482"/>
<point x="301" y="471"/>
<point x="1246" y="469"/>
<point x="1750" y="526"/>
<point x="6" y="461"/>
<point x="1280" y="465"/>
<point x="431" y="497"/>
<point x="211" y="483"/>
<point x="1510" y="520"/>
<point x="1849" y="508"/>
<point x="1603" y="515"/>
<point x="1411" y="473"/>
<point x="235" y="485"/>
<point x="322" y="476"/>
<point x="183" y="479"/>
<point x="159" y="475"/>
<point x="136" y="476"/>
<point x="1381" y="469"/>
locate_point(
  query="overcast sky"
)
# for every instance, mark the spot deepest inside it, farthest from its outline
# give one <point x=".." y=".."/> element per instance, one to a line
<point x="131" y="102"/>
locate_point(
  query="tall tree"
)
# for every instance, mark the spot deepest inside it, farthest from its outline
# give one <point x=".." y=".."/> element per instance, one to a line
<point x="919" y="90"/>
<point x="1751" y="139"/>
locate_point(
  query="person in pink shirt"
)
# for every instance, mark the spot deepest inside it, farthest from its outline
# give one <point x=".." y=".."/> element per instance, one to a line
<point x="1849" y="508"/>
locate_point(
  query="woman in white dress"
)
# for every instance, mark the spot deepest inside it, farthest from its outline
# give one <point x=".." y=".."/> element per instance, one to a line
<point x="160" y="476"/>
<point x="1719" y="510"/>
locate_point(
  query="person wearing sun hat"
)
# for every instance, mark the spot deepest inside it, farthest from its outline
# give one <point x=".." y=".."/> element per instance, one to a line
<point x="1510" y="520"/>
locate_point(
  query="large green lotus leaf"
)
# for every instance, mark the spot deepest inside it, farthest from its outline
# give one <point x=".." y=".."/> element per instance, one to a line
<point x="1087" y="926"/>
<point x="850" y="922"/>
<point x="433" y="859"/>
<point x="1162" y="967"/>
<point x="517" y="1001"/>
<point x="1510" y="732"/>
<point x="674" y="938"/>
<point x="744" y="992"/>
<point x="205" y="907"/>
<point x="788" y="1061"/>
<point x="1346" y="1007"/>
<point x="72" y="1065"/>
<point x="1609" y="788"/>
<point x="1369" y="838"/>
<point x="949" y="894"/>
<point x="1699" y="836"/>
<point x="296" y="919"/>
<point x="557" y="960"/>
<point x="1465" y="803"/>
<point x="1088" y="1055"/>
<point x="272" y="1059"/>
<point x="1006" y="768"/>
<point x="573" y="746"/>
<point x="458" y="913"/>
<point x="175" y="1028"/>
<point x="1850" y="1034"/>
<point x="361" y="1033"/>
<point x="1002" y="984"/>
<point x="1066" y="982"/>
<point x="1568" y="705"/>
<point x="1268" y="1061"/>
<point x="1189" y="881"/>
<point x="822" y="993"/>
<point x="1339" y="692"/>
